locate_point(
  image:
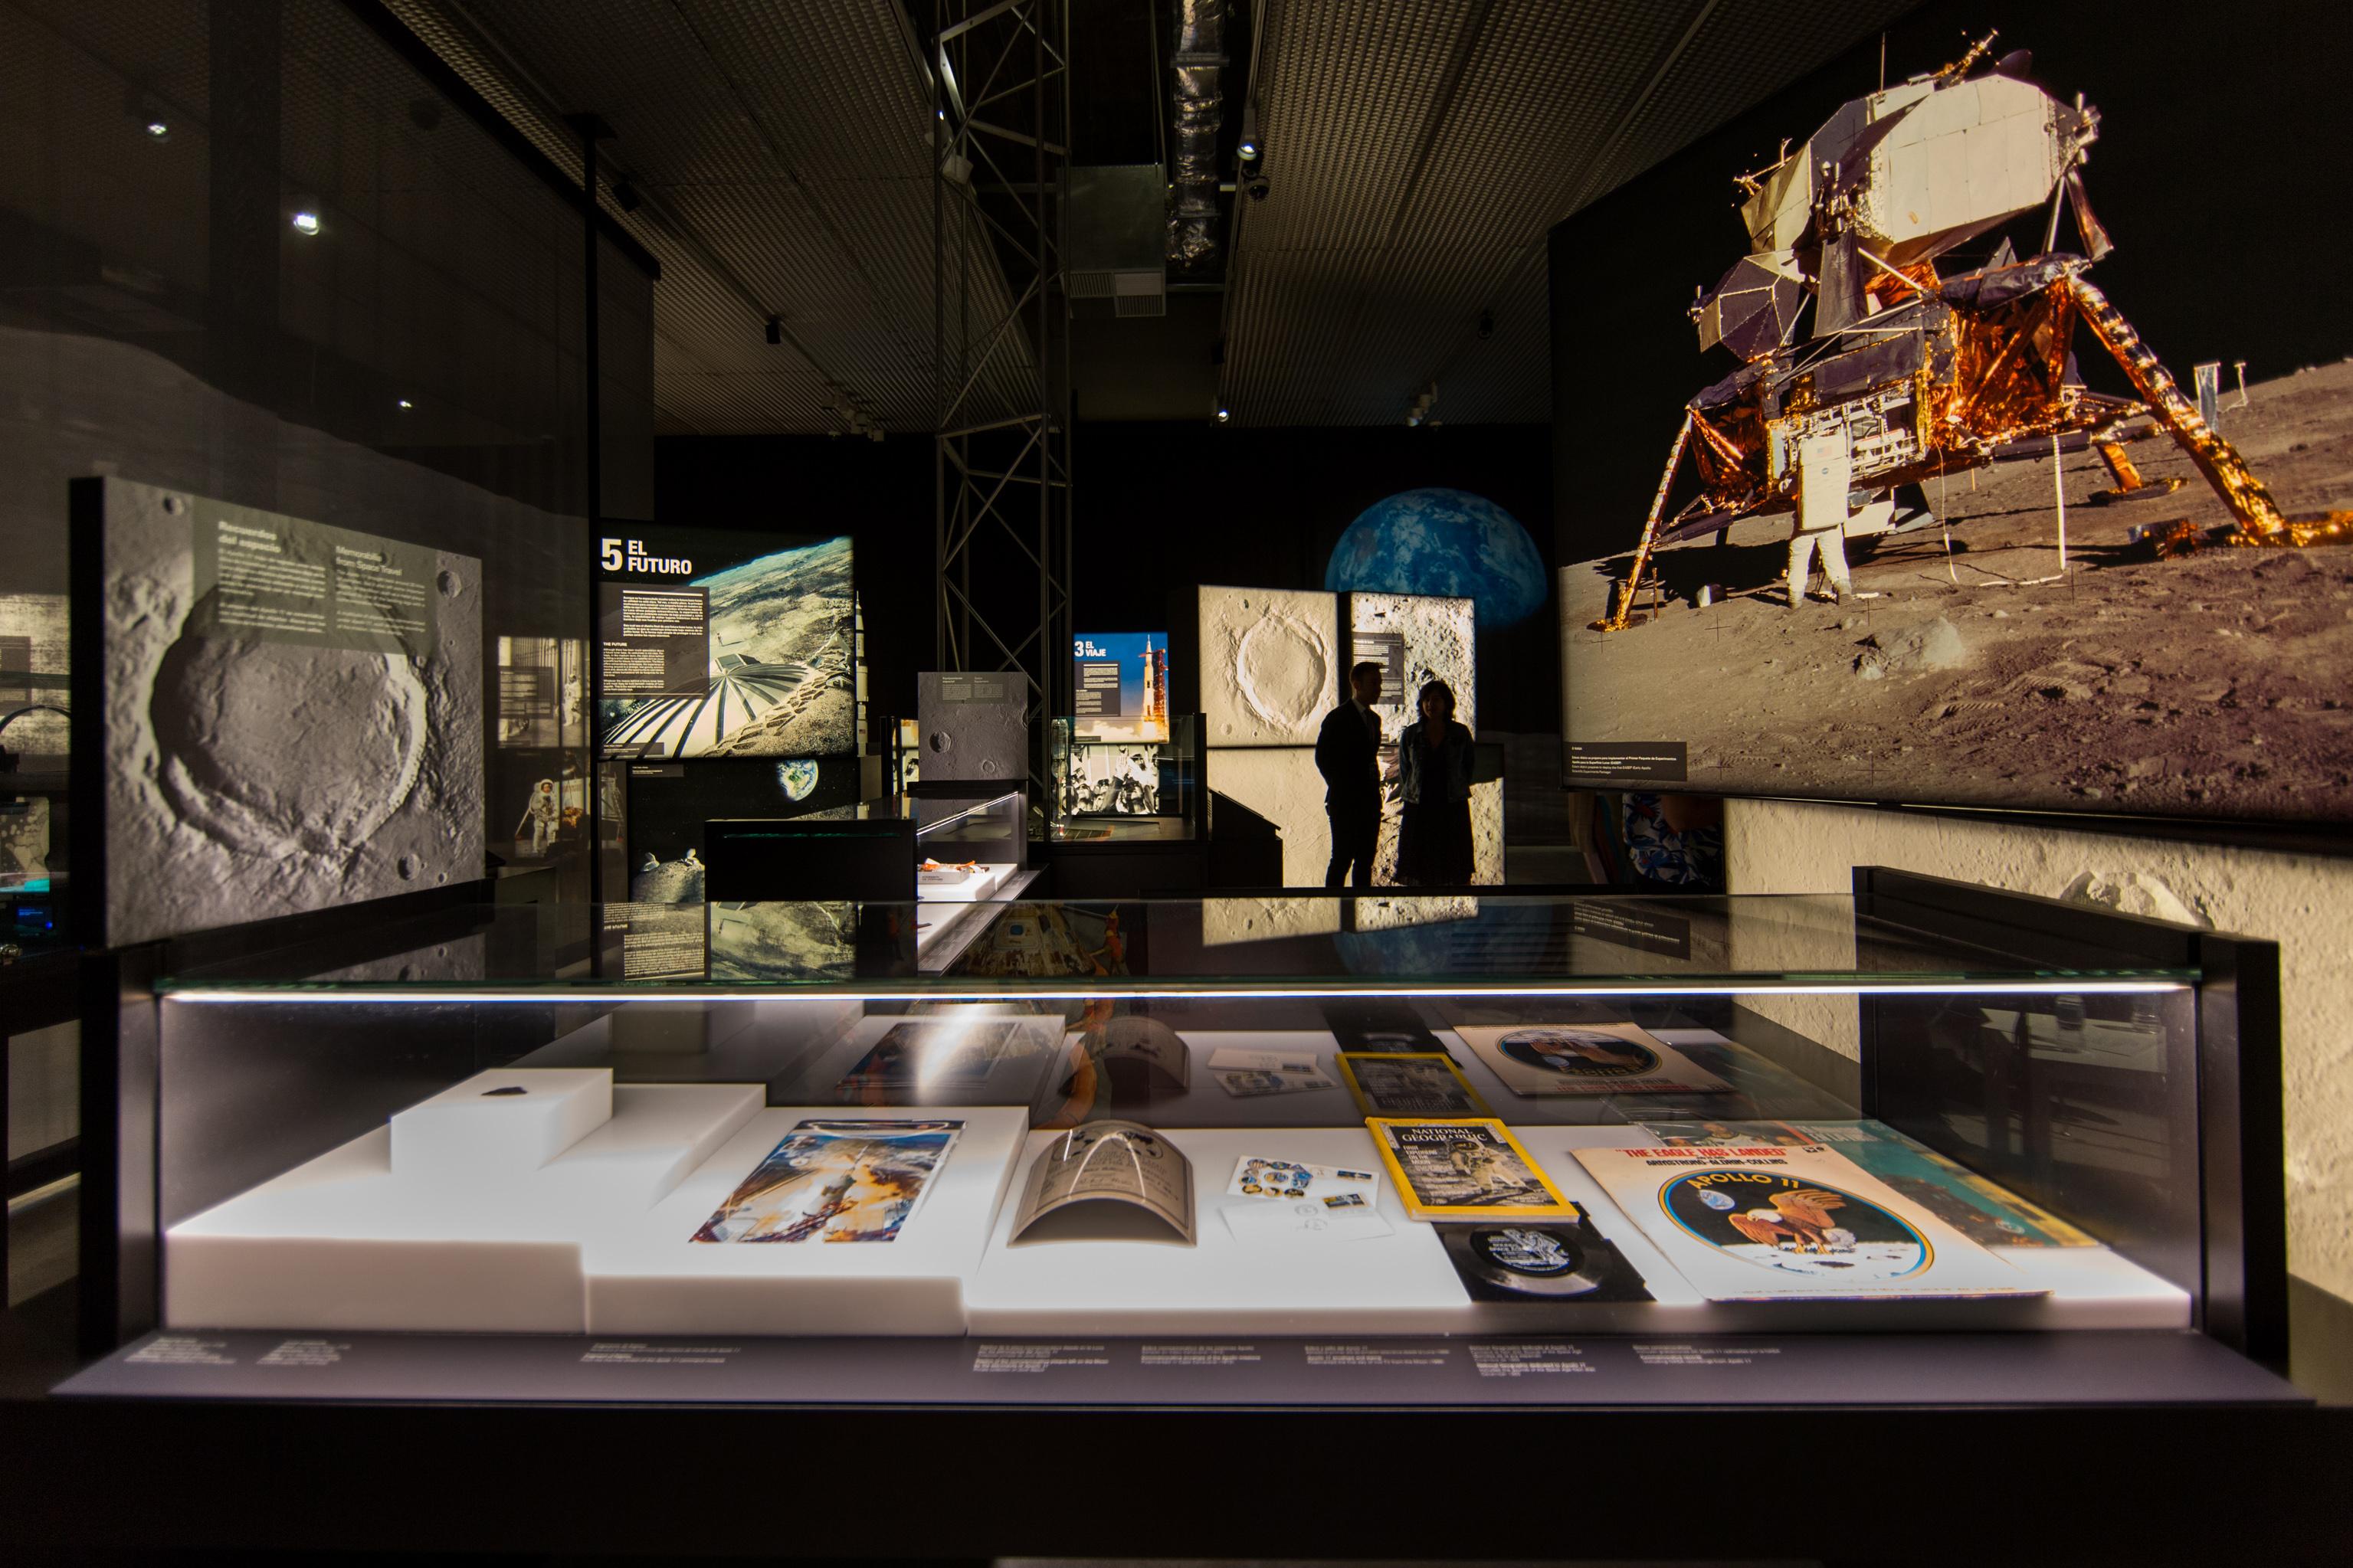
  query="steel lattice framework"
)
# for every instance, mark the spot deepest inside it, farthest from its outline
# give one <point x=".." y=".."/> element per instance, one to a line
<point x="1000" y="92"/>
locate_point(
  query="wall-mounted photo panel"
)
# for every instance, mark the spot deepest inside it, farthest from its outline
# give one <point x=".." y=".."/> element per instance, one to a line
<point x="717" y="644"/>
<point x="670" y="802"/>
<point x="1930" y="519"/>
<point x="288" y="714"/>
<point x="1270" y="664"/>
<point x="1119" y="687"/>
<point x="1415" y="638"/>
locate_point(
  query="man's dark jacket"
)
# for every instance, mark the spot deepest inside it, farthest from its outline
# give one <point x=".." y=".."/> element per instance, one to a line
<point x="1349" y="761"/>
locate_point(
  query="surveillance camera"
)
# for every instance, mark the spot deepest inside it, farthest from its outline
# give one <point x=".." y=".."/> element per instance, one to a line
<point x="1257" y="188"/>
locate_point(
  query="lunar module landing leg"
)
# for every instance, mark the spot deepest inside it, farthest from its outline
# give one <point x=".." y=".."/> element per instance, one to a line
<point x="1622" y="602"/>
<point x="2130" y="481"/>
<point x="2261" y="521"/>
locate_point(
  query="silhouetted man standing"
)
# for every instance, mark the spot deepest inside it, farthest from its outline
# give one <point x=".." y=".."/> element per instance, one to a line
<point x="1348" y="753"/>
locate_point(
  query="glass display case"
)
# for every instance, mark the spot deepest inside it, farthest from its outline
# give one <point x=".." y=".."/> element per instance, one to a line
<point x="1928" y="1145"/>
<point x="1125" y="792"/>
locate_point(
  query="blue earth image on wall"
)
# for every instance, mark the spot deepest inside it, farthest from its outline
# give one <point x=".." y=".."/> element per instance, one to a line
<point x="1444" y="543"/>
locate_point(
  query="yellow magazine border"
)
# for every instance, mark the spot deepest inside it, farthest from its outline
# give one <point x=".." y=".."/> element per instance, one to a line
<point x="1364" y="1106"/>
<point x="1561" y="1207"/>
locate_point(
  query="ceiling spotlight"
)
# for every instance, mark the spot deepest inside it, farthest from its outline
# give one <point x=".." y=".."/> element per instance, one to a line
<point x="147" y="112"/>
<point x="1249" y="146"/>
<point x="1224" y="414"/>
<point x="405" y="404"/>
<point x="306" y="222"/>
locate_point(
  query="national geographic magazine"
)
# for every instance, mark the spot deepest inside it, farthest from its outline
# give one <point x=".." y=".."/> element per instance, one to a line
<point x="1464" y="1168"/>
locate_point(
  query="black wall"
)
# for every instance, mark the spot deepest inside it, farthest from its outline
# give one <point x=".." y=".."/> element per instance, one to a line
<point x="2218" y="173"/>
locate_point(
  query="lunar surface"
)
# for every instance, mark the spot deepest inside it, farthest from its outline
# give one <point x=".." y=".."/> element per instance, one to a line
<point x="767" y="941"/>
<point x="1486" y="836"/>
<point x="275" y="776"/>
<point x="1283" y="786"/>
<point x="1439" y="641"/>
<point x="667" y="882"/>
<point x="793" y="609"/>
<point x="1229" y="921"/>
<point x="1269" y="673"/>
<point x="2219" y="683"/>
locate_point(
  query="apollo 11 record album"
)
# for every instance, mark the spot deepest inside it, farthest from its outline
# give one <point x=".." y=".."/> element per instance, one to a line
<point x="1766" y="1221"/>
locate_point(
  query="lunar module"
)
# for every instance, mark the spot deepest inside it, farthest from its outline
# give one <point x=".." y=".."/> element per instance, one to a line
<point x="1905" y="373"/>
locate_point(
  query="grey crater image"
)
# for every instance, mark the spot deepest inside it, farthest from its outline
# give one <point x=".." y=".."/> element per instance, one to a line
<point x="249" y="735"/>
<point x="1268" y="670"/>
<point x="275" y="774"/>
<point x="1282" y="668"/>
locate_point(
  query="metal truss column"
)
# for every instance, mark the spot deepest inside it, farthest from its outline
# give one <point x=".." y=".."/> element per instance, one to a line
<point x="1000" y="98"/>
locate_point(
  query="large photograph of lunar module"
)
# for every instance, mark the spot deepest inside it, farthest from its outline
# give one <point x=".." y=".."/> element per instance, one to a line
<point x="1905" y="550"/>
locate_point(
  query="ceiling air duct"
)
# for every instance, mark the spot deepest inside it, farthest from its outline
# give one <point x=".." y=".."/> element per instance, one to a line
<point x="1199" y="108"/>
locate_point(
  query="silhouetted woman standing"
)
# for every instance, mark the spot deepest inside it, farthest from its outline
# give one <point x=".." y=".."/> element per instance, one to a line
<point x="1434" y="778"/>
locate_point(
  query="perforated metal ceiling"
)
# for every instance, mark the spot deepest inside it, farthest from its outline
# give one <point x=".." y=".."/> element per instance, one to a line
<point x="1419" y="151"/>
<point x="781" y="153"/>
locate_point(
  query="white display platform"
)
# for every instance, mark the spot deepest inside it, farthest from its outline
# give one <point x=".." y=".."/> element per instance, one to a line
<point x="2091" y="1286"/>
<point x="648" y="1279"/>
<point x="964" y="884"/>
<point x="346" y="1242"/>
<point x="944" y="928"/>
<point x="598" y="1240"/>
<point x="500" y="1127"/>
<point x="1399" y="1283"/>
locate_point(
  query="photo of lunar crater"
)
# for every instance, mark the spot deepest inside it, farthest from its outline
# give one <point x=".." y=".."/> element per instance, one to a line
<point x="293" y="714"/>
<point x="1269" y="671"/>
